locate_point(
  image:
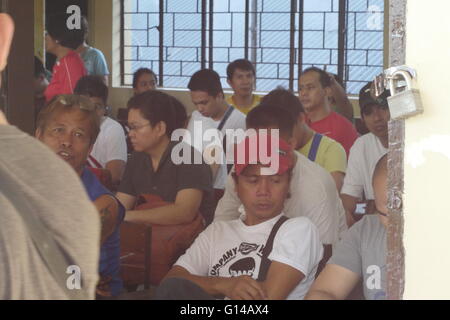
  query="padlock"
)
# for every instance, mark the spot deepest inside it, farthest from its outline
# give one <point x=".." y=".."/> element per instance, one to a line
<point x="404" y="104"/>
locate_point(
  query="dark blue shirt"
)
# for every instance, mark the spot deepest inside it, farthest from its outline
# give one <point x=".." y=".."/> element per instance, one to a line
<point x="110" y="250"/>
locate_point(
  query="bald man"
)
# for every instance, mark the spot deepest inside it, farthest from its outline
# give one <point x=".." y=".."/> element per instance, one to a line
<point x="361" y="253"/>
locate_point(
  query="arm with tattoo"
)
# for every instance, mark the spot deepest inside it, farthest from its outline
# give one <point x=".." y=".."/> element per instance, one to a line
<point x="108" y="209"/>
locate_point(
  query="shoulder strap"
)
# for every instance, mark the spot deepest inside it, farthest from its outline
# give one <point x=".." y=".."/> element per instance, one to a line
<point x="265" y="262"/>
<point x="314" y="147"/>
<point x="92" y="162"/>
<point x="220" y="127"/>
<point x="225" y="118"/>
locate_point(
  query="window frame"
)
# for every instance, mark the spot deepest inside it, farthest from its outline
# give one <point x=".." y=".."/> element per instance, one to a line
<point x="207" y="32"/>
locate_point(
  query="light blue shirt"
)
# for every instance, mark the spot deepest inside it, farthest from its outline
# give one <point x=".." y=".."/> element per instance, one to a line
<point x="94" y="62"/>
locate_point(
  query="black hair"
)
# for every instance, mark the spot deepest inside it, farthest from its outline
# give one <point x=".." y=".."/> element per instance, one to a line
<point x="57" y="29"/>
<point x="267" y="115"/>
<point x="84" y="27"/>
<point x="138" y="73"/>
<point x="242" y="64"/>
<point x="155" y="106"/>
<point x="324" y="77"/>
<point x="338" y="79"/>
<point x="180" y="113"/>
<point x="92" y="86"/>
<point x="286" y="100"/>
<point x="206" y="80"/>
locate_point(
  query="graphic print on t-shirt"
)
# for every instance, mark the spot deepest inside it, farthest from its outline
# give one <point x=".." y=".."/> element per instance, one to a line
<point x="245" y="261"/>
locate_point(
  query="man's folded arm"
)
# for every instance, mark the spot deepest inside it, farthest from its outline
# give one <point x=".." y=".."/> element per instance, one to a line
<point x="334" y="283"/>
<point x="183" y="210"/>
<point x="281" y="280"/>
<point x="236" y="288"/>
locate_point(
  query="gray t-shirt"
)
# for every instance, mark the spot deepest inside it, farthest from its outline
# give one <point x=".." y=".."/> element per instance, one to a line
<point x="33" y="176"/>
<point x="362" y="250"/>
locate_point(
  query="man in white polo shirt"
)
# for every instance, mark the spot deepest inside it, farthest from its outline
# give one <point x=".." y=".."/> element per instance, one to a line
<point x="212" y="113"/>
<point x="366" y="152"/>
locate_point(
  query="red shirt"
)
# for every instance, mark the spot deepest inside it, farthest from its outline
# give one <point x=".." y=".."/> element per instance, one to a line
<point x="66" y="73"/>
<point x="337" y="128"/>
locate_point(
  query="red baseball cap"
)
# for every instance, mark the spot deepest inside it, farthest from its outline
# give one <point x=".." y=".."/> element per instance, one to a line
<point x="265" y="149"/>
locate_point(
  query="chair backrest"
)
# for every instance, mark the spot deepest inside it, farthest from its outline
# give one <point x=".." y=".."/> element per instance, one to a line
<point x="148" y="252"/>
<point x="135" y="242"/>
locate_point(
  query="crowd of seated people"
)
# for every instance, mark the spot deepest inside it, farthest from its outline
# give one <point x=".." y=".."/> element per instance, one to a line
<point x="284" y="233"/>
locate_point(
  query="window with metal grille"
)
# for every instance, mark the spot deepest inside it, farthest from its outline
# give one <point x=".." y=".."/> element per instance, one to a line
<point x="175" y="38"/>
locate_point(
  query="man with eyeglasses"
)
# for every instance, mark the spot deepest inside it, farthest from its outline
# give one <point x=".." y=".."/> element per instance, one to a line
<point x="152" y="169"/>
<point x="69" y="126"/>
<point x="110" y="148"/>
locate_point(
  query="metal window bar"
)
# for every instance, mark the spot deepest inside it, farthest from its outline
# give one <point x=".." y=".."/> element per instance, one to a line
<point x="122" y="42"/>
<point x="346" y="67"/>
<point x="292" y="45"/>
<point x="161" y="43"/>
<point x="211" y="34"/>
<point x="246" y="27"/>
<point x="253" y="34"/>
<point x="341" y="39"/>
<point x="203" y="50"/>
<point x="301" y="9"/>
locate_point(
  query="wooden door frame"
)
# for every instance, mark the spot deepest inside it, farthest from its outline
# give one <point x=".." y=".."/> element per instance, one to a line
<point x="20" y="109"/>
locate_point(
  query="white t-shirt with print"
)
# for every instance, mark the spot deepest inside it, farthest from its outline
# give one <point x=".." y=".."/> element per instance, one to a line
<point x="313" y="195"/>
<point x="235" y="121"/>
<point x="110" y="144"/>
<point x="364" y="155"/>
<point x="232" y="248"/>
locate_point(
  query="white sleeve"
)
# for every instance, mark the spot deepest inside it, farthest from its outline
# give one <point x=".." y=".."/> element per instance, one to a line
<point x="319" y="201"/>
<point x="116" y="146"/>
<point x="197" y="258"/>
<point x="354" y="178"/>
<point x="227" y="208"/>
<point x="239" y="122"/>
<point x="297" y="244"/>
<point x="197" y="127"/>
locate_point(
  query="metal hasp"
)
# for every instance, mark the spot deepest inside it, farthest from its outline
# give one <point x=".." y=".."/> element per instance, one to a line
<point x="408" y="102"/>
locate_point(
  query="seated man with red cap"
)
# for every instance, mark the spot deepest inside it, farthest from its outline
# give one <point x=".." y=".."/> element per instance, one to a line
<point x="260" y="255"/>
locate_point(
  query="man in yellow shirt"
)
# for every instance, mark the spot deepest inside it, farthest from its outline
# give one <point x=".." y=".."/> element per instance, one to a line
<point x="318" y="148"/>
<point x="241" y="77"/>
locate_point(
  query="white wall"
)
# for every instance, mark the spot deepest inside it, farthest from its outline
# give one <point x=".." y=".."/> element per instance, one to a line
<point x="427" y="161"/>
